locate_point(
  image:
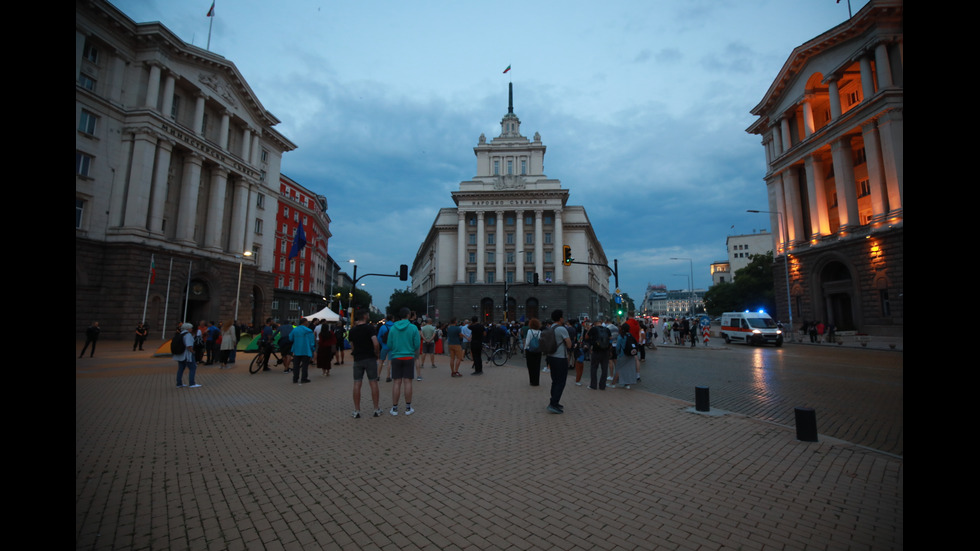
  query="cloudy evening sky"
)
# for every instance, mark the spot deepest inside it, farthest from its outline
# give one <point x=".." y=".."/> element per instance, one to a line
<point x="643" y="107"/>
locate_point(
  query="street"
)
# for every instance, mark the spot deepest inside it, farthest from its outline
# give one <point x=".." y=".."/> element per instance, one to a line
<point x="857" y="393"/>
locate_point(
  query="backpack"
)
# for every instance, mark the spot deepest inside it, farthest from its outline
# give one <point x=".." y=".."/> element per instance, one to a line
<point x="535" y="344"/>
<point x="602" y="338"/>
<point x="548" y="344"/>
<point x="629" y="348"/>
<point x="177" y="346"/>
<point x="384" y="336"/>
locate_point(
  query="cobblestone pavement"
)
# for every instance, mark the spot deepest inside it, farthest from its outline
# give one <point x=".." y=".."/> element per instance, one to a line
<point x="255" y="462"/>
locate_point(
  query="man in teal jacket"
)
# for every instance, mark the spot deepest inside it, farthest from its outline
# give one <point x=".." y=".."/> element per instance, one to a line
<point x="403" y="342"/>
<point x="303" y="343"/>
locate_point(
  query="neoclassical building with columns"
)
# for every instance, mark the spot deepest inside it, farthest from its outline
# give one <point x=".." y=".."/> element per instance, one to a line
<point x="832" y="127"/>
<point x="176" y="171"/>
<point x="510" y="222"/>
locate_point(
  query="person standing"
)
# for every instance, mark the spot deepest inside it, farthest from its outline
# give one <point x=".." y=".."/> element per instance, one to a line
<point x="428" y="344"/>
<point x="364" y="351"/>
<point x="626" y="369"/>
<point x="558" y="361"/>
<point x="325" y="352"/>
<point x="140" y="336"/>
<point x="403" y="341"/>
<point x="600" y="341"/>
<point x="285" y="344"/>
<point x="476" y="344"/>
<point x="532" y="351"/>
<point x="454" y="338"/>
<point x="229" y="340"/>
<point x="91" y="337"/>
<point x="186" y="358"/>
<point x="303" y="344"/>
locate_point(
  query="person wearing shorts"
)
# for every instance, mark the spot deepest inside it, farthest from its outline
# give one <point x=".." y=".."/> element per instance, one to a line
<point x="403" y="340"/>
<point x="364" y="350"/>
<point x="454" y="337"/>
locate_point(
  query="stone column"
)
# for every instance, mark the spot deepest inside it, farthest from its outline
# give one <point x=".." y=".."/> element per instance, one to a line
<point x="481" y="250"/>
<point x="461" y="247"/>
<point x="778" y="212"/>
<point x="867" y="78"/>
<point x="246" y="143"/>
<point x="199" y="114"/>
<point x="816" y="187"/>
<point x="160" y="184"/>
<point x="138" y="185"/>
<point x="215" y="218"/>
<point x="892" y="151"/>
<point x="882" y="66"/>
<point x="834" y="93"/>
<point x="539" y="243"/>
<point x="777" y="140"/>
<point x="500" y="248"/>
<point x="847" y="211"/>
<point x="239" y="217"/>
<point x="223" y="132"/>
<point x="153" y="87"/>
<point x="168" y="95"/>
<point x="190" y="185"/>
<point x="557" y="250"/>
<point x="808" y="124"/>
<point x="784" y="131"/>
<point x="519" y="246"/>
<point x="876" y="179"/>
<point x="794" y="211"/>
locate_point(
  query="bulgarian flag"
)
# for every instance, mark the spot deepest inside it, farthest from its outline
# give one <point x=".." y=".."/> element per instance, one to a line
<point x="507" y="69"/>
<point x="211" y="11"/>
<point x="153" y="270"/>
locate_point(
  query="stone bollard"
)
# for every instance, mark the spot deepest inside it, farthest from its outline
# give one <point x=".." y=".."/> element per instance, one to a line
<point x="806" y="424"/>
<point x="701" y="401"/>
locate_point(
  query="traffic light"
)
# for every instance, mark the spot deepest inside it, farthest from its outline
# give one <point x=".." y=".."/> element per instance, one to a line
<point x="403" y="272"/>
<point x="568" y="256"/>
<point x="535" y="279"/>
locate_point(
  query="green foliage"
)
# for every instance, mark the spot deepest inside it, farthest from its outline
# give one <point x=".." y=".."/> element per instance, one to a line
<point x="752" y="289"/>
<point x="626" y="307"/>
<point x="362" y="298"/>
<point x="406" y="298"/>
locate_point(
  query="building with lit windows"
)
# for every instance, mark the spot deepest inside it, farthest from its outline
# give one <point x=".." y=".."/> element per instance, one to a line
<point x="176" y="173"/>
<point x="670" y="303"/>
<point x="302" y="281"/>
<point x="721" y="272"/>
<point x="832" y="127"/>
<point x="741" y="249"/>
<point x="510" y="223"/>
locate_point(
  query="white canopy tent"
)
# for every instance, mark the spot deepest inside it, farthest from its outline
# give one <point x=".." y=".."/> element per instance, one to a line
<point x="325" y="314"/>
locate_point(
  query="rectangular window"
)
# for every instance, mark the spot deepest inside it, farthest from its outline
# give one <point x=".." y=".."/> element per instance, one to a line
<point x="472" y="258"/>
<point x="260" y="201"/>
<point x="87" y="122"/>
<point x="490" y="257"/>
<point x="510" y="277"/>
<point x="509" y="220"/>
<point x="528" y="220"/>
<point x="285" y="212"/>
<point x="83" y="164"/>
<point x="529" y="239"/>
<point x="265" y="155"/>
<point x="86" y="82"/>
<point x="282" y="246"/>
<point x="258" y="226"/>
<point x="510" y="239"/>
<point x="547" y="256"/>
<point x="886" y="305"/>
<point x="275" y="301"/>
<point x="529" y="257"/>
<point x="79" y="211"/>
<point x="282" y="263"/>
<point x="471" y="277"/>
<point x="529" y="277"/>
<point x="491" y="238"/>
<point x="471" y="221"/>
<point x="175" y="108"/>
<point x="547" y="220"/>
<point x="547" y="276"/>
<point x="491" y="220"/>
<point x="472" y="238"/>
<point x="547" y="238"/>
<point x="510" y="167"/>
<point x="523" y="167"/>
<point x="490" y="277"/>
<point x="90" y="52"/>
<point x="496" y="167"/>
<point x="510" y="257"/>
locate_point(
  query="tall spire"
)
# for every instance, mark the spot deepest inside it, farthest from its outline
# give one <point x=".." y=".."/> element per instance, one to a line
<point x="510" y="97"/>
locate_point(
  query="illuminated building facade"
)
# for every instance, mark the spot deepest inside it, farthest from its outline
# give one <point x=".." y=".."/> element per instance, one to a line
<point x="510" y="222"/>
<point x="832" y="127"/>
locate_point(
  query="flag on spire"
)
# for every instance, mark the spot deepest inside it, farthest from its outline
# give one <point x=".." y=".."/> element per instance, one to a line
<point x="211" y="11"/>
<point x="507" y="69"/>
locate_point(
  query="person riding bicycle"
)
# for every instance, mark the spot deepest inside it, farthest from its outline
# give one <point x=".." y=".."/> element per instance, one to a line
<point x="266" y="342"/>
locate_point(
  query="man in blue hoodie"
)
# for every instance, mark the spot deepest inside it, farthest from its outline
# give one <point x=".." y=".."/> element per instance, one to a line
<point x="403" y="342"/>
<point x="303" y="342"/>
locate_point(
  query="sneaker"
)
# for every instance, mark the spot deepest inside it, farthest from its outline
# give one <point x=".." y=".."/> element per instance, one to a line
<point x="553" y="409"/>
<point x="608" y="378"/>
<point x="419" y="379"/>
<point x="410" y="410"/>
<point x="394" y="410"/>
<point x="195" y="386"/>
<point x="627" y="387"/>
<point x="578" y="384"/>
<point x="357" y="415"/>
<point x="545" y="370"/>
<point x="377" y="413"/>
<point x="180" y="386"/>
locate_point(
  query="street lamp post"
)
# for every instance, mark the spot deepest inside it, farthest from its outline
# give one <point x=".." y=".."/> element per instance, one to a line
<point x="783" y="230"/>
<point x="690" y="299"/>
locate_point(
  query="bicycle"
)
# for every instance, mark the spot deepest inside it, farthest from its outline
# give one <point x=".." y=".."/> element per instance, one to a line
<point x="260" y="361"/>
<point x="498" y="356"/>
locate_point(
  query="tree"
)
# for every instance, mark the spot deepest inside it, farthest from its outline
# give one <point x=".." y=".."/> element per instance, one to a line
<point x="752" y="289"/>
<point x="405" y="298"/>
<point x="362" y="298"/>
<point x="626" y="307"/>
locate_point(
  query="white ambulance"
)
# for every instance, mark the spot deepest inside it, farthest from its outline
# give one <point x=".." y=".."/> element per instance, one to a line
<point x="750" y="328"/>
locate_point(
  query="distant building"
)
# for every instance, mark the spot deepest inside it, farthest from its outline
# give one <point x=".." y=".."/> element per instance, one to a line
<point x="661" y="302"/>
<point x="832" y="127"/>
<point x="741" y="248"/>
<point x="301" y="282"/>
<point x="176" y="167"/>
<point x="721" y="272"/>
<point x="510" y="222"/>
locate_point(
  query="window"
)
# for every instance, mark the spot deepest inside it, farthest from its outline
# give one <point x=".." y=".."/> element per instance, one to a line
<point x="285" y="212"/>
<point x="510" y="257"/>
<point x="547" y="220"/>
<point x="490" y="277"/>
<point x="529" y="277"/>
<point x="282" y="246"/>
<point x="491" y="220"/>
<point x="264" y="155"/>
<point x="547" y="256"/>
<point x="90" y="52"/>
<point x="79" y="211"/>
<point x="282" y="263"/>
<point x="471" y="277"/>
<point x="529" y="239"/>
<point x="529" y="257"/>
<point x="175" y="108"/>
<point x="258" y="226"/>
<point x="509" y="220"/>
<point x="510" y="167"/>
<point x="491" y="238"/>
<point x="471" y="221"/>
<point x="275" y="301"/>
<point x="472" y="238"/>
<point x="260" y="201"/>
<point x="293" y="304"/>
<point x="86" y="82"/>
<point x="285" y="229"/>
<point x="547" y="238"/>
<point x="886" y="305"/>
<point x="256" y="254"/>
<point x="528" y="220"/>
<point x="83" y="164"/>
<point x="490" y="257"/>
<point x="523" y="167"/>
<point x="472" y="258"/>
<point x="510" y="277"/>
<point x="87" y="122"/>
<point x="864" y="188"/>
<point x="547" y="276"/>
<point x="510" y="239"/>
<point x="496" y="167"/>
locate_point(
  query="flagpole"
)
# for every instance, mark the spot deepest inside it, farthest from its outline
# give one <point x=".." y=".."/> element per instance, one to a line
<point x="146" y="297"/>
<point x="187" y="291"/>
<point x="210" y="25"/>
<point x="166" y="305"/>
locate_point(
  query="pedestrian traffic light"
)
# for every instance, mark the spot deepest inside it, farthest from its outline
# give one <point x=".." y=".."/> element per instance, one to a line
<point x="568" y="256"/>
<point x="403" y="272"/>
<point x="535" y="279"/>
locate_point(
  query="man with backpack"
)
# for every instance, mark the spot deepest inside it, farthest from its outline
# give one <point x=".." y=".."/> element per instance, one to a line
<point x="599" y="340"/>
<point x="182" y="349"/>
<point x="555" y="344"/>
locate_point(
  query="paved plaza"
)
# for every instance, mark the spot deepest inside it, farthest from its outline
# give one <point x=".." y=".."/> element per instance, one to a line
<point x="256" y="462"/>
